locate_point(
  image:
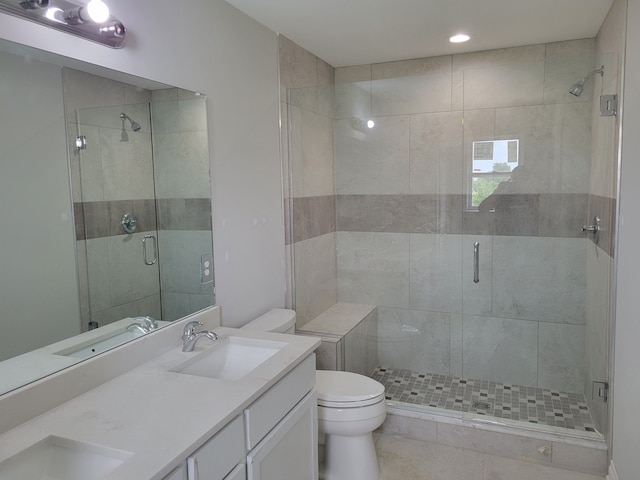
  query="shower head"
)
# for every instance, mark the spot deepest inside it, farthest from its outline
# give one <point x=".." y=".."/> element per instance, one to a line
<point x="135" y="126"/>
<point x="576" y="88"/>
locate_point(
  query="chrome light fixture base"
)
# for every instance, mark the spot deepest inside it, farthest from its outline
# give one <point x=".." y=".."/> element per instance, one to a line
<point x="67" y="16"/>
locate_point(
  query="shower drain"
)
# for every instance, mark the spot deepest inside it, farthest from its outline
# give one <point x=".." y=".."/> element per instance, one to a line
<point x="481" y="405"/>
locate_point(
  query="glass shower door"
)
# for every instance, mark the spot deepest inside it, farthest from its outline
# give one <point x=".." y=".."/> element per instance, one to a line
<point x="523" y="322"/>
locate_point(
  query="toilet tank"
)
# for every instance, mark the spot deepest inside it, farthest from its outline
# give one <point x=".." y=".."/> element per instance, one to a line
<point x="278" y="320"/>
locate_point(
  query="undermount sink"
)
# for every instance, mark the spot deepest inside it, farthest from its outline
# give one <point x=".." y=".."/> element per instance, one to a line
<point x="231" y="358"/>
<point x="56" y="458"/>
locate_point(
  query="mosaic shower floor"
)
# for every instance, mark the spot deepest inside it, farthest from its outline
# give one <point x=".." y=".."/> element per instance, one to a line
<point x="482" y="397"/>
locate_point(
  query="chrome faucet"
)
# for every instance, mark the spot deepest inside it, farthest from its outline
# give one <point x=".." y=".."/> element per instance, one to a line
<point x="148" y="323"/>
<point x="136" y="326"/>
<point x="145" y="325"/>
<point x="190" y="337"/>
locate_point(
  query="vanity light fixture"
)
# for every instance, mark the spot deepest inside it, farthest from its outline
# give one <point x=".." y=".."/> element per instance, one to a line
<point x="34" y="4"/>
<point x="459" y="38"/>
<point x="92" y="21"/>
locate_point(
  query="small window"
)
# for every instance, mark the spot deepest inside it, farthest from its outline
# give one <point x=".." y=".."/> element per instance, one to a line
<point x="492" y="163"/>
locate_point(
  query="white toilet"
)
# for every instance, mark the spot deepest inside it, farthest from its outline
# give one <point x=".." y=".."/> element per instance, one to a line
<point x="350" y="408"/>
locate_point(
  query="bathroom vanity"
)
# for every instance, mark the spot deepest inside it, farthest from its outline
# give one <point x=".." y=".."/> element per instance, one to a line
<point x="179" y="415"/>
<point x="274" y="438"/>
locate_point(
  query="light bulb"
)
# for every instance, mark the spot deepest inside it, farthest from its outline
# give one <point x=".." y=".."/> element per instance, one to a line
<point x="98" y="11"/>
<point x="459" y="38"/>
<point x="55" y="14"/>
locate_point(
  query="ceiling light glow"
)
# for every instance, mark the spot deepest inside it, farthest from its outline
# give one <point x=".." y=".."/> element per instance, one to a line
<point x="459" y="38"/>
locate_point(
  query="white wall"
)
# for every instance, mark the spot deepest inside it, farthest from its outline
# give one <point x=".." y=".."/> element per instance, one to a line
<point x="38" y="286"/>
<point x="626" y="418"/>
<point x="212" y="47"/>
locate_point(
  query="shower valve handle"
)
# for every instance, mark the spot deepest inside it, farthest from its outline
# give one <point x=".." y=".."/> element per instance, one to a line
<point x="595" y="228"/>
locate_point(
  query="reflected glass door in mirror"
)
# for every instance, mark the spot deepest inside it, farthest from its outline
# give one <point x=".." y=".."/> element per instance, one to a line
<point x="149" y="161"/>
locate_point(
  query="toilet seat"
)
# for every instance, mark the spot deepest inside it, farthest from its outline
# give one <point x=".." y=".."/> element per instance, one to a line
<point x="347" y="390"/>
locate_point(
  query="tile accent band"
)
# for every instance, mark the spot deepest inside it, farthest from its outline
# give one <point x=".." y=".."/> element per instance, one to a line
<point x="102" y="219"/>
<point x="536" y="215"/>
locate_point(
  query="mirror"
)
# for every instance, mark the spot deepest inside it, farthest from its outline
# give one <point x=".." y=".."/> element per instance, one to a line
<point x="105" y="202"/>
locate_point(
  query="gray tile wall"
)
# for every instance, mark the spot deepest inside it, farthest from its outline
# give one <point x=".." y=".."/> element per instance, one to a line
<point x="308" y="111"/>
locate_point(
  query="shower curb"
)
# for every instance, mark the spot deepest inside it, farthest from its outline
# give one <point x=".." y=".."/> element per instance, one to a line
<point x="581" y="451"/>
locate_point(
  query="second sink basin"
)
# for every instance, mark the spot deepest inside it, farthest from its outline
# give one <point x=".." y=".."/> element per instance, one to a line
<point x="56" y="458"/>
<point x="231" y="358"/>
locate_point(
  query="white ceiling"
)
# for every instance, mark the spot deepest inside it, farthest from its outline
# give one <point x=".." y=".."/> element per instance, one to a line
<point x="355" y="32"/>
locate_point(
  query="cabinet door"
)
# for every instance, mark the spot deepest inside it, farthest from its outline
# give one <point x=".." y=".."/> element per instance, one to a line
<point x="219" y="456"/>
<point x="290" y="450"/>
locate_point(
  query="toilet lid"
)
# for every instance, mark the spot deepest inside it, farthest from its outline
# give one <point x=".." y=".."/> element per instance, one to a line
<point x="346" y="387"/>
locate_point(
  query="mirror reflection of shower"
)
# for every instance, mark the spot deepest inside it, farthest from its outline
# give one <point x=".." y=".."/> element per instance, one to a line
<point x="135" y="126"/>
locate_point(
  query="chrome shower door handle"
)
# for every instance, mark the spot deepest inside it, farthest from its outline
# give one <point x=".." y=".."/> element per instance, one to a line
<point x="476" y="262"/>
<point x="155" y="250"/>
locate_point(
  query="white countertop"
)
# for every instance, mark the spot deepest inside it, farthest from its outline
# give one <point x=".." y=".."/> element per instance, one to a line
<point x="157" y="415"/>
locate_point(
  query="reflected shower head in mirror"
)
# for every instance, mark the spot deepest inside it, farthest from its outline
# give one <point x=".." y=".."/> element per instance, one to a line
<point x="576" y="88"/>
<point x="135" y="126"/>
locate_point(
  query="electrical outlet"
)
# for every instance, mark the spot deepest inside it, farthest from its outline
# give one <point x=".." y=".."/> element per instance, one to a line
<point x="206" y="268"/>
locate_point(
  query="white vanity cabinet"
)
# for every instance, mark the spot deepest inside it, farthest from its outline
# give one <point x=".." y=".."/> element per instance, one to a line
<point x="220" y="456"/>
<point x="179" y="473"/>
<point x="289" y="451"/>
<point x="276" y="437"/>
<point x="282" y="429"/>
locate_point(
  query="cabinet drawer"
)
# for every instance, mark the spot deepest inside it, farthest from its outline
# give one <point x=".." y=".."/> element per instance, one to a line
<point x="269" y="409"/>
<point x="216" y="458"/>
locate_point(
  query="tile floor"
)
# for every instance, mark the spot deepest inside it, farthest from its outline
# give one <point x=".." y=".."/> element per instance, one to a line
<point x="482" y="397"/>
<point x="404" y="459"/>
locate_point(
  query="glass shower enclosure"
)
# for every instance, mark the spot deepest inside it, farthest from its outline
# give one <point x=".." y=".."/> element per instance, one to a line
<point x="457" y="188"/>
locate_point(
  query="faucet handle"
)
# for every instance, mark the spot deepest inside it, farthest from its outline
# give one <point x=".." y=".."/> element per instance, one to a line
<point x="190" y="328"/>
<point x="148" y="322"/>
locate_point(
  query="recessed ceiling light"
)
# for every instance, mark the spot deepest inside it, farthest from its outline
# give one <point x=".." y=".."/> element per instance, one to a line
<point x="459" y="38"/>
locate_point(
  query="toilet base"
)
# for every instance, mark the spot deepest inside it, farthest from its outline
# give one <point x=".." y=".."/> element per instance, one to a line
<point x="350" y="458"/>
